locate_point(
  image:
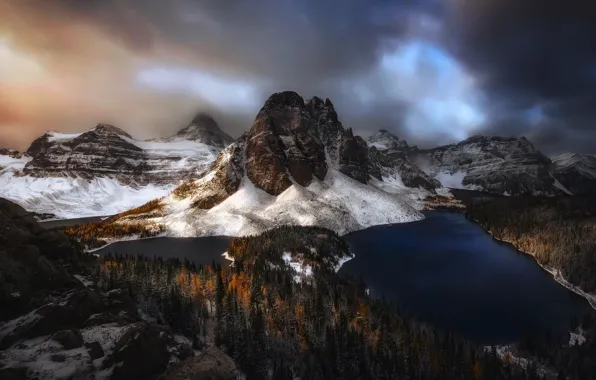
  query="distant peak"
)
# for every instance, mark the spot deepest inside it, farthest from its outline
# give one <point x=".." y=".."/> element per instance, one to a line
<point x="384" y="139"/>
<point x="110" y="129"/>
<point x="203" y="118"/>
<point x="205" y="129"/>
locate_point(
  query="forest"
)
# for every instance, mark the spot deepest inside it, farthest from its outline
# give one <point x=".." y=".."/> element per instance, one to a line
<point x="560" y="232"/>
<point x="277" y="325"/>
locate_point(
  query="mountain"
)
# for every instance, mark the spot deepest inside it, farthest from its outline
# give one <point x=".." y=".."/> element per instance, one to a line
<point x="576" y="171"/>
<point x="393" y="163"/>
<point x="105" y="170"/>
<point x="296" y="165"/>
<point x="204" y="129"/>
<point x="502" y="165"/>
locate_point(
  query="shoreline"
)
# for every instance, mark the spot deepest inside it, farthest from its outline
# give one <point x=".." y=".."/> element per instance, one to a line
<point x="128" y="238"/>
<point x="555" y="273"/>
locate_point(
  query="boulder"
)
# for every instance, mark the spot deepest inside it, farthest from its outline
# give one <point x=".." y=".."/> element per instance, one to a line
<point x="32" y="262"/>
<point x="210" y="364"/>
<point x="94" y="349"/>
<point x="71" y="311"/>
<point x="141" y="353"/>
<point x="69" y="338"/>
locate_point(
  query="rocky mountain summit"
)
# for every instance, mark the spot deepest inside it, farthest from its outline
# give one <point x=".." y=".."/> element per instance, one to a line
<point x="502" y="165"/>
<point x="105" y="170"/>
<point x="296" y="165"/>
<point x="291" y="141"/>
<point x="577" y="172"/>
<point x="204" y="129"/>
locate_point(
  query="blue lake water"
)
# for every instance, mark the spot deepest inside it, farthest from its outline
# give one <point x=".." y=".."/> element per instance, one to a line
<point x="449" y="271"/>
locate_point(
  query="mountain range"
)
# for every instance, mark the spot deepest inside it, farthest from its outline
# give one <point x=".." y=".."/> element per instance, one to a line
<point x="296" y="164"/>
<point x="105" y="170"/>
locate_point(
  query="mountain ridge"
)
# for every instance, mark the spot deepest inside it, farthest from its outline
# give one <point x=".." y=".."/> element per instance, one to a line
<point x="105" y="170"/>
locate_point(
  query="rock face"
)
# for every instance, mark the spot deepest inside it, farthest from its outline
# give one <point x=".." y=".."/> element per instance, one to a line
<point x="388" y="158"/>
<point x="30" y="259"/>
<point x="577" y="172"/>
<point x="107" y="151"/>
<point x="223" y="180"/>
<point x="290" y="140"/>
<point x="494" y="164"/>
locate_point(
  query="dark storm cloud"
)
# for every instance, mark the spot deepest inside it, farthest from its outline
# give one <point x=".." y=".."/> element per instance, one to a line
<point x="298" y="45"/>
<point x="533" y="53"/>
<point x="431" y="71"/>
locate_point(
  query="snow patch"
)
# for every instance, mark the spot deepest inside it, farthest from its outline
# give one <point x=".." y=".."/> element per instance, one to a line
<point x="85" y="280"/>
<point x="560" y="186"/>
<point x="302" y="270"/>
<point x="455" y="180"/>
<point x="577" y="338"/>
<point x="58" y="137"/>
<point x="342" y="261"/>
<point x="228" y="257"/>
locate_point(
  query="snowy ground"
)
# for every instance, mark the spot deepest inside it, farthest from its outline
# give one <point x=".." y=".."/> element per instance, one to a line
<point x="68" y="197"/>
<point x="338" y="203"/>
<point x="455" y="181"/>
<point x="76" y="197"/>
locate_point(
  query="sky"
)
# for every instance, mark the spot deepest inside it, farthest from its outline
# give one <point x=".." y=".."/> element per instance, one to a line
<point x="431" y="71"/>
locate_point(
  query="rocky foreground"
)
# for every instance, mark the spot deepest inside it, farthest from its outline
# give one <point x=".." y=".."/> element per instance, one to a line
<point x="57" y="323"/>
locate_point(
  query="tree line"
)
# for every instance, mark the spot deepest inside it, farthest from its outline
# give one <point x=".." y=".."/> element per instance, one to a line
<point x="277" y="326"/>
<point x="561" y="233"/>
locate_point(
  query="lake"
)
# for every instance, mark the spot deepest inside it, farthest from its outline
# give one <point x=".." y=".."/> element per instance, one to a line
<point x="203" y="250"/>
<point x="447" y="270"/>
<point x="444" y="269"/>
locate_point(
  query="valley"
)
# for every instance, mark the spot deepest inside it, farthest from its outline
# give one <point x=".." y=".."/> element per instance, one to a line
<point x="297" y="241"/>
<point x="443" y="269"/>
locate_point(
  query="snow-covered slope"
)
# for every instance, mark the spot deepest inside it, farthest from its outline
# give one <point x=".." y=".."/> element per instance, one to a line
<point x="339" y="203"/>
<point x="297" y="165"/>
<point x="105" y="170"/>
<point x="577" y="172"/>
<point x="510" y="166"/>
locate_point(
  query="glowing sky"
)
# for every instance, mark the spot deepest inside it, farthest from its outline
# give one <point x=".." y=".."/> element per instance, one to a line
<point x="432" y="72"/>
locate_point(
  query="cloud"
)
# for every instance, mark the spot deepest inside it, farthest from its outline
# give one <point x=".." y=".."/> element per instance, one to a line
<point x="430" y="71"/>
<point x="534" y="54"/>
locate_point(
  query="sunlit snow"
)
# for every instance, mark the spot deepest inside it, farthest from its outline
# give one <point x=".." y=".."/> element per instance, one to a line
<point x="338" y="203"/>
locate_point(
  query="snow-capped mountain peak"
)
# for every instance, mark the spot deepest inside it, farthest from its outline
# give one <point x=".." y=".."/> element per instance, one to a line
<point x="383" y="140"/>
<point x="296" y="165"/>
<point x="101" y="171"/>
<point x="502" y="165"/>
<point x="205" y="129"/>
